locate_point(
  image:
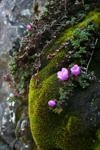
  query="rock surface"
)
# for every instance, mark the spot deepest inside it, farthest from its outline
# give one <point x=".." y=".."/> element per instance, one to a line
<point x="14" y="17"/>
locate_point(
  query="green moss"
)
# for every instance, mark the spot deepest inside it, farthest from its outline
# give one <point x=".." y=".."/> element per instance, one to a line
<point x="97" y="143"/>
<point x="93" y="15"/>
<point x="52" y="131"/>
<point x="51" y="67"/>
<point x="97" y="148"/>
<point x="35" y="148"/>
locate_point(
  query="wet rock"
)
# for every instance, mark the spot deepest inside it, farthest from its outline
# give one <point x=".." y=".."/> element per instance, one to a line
<point x="23" y="131"/>
<point x="14" y="17"/>
<point x="3" y="146"/>
<point x="19" y="145"/>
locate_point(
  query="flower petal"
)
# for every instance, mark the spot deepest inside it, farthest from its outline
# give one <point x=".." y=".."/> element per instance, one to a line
<point x="60" y="75"/>
<point x="63" y="75"/>
<point x="64" y="70"/>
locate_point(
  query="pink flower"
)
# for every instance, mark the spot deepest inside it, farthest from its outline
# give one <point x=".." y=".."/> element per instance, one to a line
<point x="75" y="70"/>
<point x="29" y="27"/>
<point x="52" y="103"/>
<point x="63" y="75"/>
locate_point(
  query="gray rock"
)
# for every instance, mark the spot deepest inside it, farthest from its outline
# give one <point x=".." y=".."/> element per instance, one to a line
<point x="23" y="131"/>
<point x="14" y="17"/>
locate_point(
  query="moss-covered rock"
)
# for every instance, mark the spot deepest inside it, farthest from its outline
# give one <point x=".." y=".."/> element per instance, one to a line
<point x="97" y="145"/>
<point x="50" y="130"/>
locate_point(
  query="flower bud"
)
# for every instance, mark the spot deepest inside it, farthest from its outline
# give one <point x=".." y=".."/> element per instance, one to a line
<point x="29" y="27"/>
<point x="52" y="103"/>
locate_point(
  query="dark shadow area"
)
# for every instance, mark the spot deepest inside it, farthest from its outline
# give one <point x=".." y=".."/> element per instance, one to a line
<point x="95" y="63"/>
<point x="56" y="149"/>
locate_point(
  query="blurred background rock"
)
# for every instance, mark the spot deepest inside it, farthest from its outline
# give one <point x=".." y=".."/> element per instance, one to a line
<point x="14" y="17"/>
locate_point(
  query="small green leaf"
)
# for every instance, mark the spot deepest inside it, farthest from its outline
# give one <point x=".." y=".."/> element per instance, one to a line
<point x="40" y="17"/>
<point x="84" y="76"/>
<point x="57" y="110"/>
<point x="45" y="11"/>
<point x="76" y="32"/>
<point x="52" y="2"/>
<point x="22" y="78"/>
<point x="11" y="63"/>
<point x="58" y="11"/>
<point x="20" y="86"/>
<point x="63" y="95"/>
<point x="58" y="28"/>
<point x="82" y="50"/>
<point x="46" y="4"/>
<point x="76" y="44"/>
<point x="82" y="62"/>
<point x="73" y="19"/>
<point x="80" y="80"/>
<point x="81" y="15"/>
<point x="68" y="22"/>
<point x="86" y="7"/>
<point x="60" y="90"/>
<point x="30" y="33"/>
<point x="19" y="50"/>
<point x="25" y="138"/>
<point x="26" y="74"/>
<point x="14" y="53"/>
<point x="70" y="89"/>
<point x="83" y="36"/>
<point x="71" y="65"/>
<point x="77" y="54"/>
<point x="10" y="100"/>
<point x="21" y="43"/>
<point x="85" y="84"/>
<point x="33" y="56"/>
<point x="12" y="72"/>
<point x="88" y="21"/>
<point x="72" y="22"/>
<point x="90" y="27"/>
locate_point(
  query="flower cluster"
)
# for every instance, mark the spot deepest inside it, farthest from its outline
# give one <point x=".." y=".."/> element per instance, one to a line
<point x="63" y="75"/>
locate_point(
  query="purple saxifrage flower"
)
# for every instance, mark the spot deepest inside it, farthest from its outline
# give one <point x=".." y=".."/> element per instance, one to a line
<point x="75" y="70"/>
<point x="63" y="75"/>
<point x="29" y="27"/>
<point x="52" y="103"/>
